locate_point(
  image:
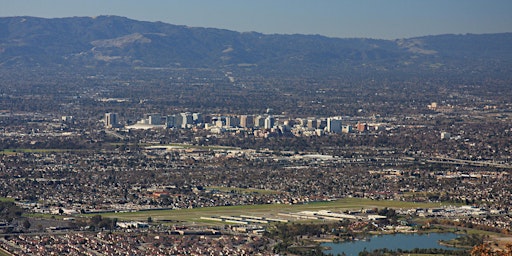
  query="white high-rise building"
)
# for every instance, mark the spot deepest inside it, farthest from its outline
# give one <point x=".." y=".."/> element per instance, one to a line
<point x="68" y="119"/>
<point x="232" y="121"/>
<point x="259" y="121"/>
<point x="445" y="135"/>
<point x="155" y="119"/>
<point x="246" y="121"/>
<point x="311" y="123"/>
<point x="334" y="125"/>
<point x="197" y="118"/>
<point x="170" y="121"/>
<point x="187" y="119"/>
<point x="269" y="122"/>
<point x="346" y="129"/>
<point x="111" y="120"/>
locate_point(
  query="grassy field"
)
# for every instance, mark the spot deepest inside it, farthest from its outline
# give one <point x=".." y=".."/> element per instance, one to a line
<point x="4" y="253"/>
<point x="267" y="210"/>
<point x="5" y="199"/>
<point x="245" y="190"/>
<point x="412" y="254"/>
<point x="13" y="151"/>
<point x="188" y="146"/>
<point x="177" y="145"/>
<point x="36" y="150"/>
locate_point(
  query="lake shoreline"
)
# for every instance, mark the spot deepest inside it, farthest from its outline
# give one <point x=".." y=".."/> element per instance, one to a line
<point x="394" y="241"/>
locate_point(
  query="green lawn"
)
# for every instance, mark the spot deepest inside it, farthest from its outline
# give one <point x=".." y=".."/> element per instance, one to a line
<point x="178" y="145"/>
<point x="3" y="253"/>
<point x="35" y="150"/>
<point x="267" y="210"/>
<point x="245" y="190"/>
<point x="196" y="146"/>
<point x="418" y="254"/>
<point x="5" y="199"/>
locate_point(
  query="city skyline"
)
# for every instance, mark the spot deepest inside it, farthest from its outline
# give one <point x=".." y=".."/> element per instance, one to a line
<point x="346" y="19"/>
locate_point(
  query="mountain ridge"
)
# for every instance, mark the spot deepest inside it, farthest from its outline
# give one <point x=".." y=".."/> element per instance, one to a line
<point x="120" y="41"/>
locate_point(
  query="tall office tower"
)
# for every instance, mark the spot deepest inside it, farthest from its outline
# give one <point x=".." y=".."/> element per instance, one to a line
<point x="289" y="122"/>
<point x="346" y="129"/>
<point x="111" y="120"/>
<point x="321" y="123"/>
<point x="170" y="121"/>
<point x="178" y="121"/>
<point x="232" y="121"/>
<point x="445" y="135"/>
<point x="207" y="119"/>
<point x="155" y="119"/>
<point x="197" y="118"/>
<point x="334" y="125"/>
<point x="303" y="122"/>
<point x="187" y="119"/>
<point x="68" y="119"/>
<point x="243" y="121"/>
<point x="228" y="122"/>
<point x="246" y="121"/>
<point x="269" y="122"/>
<point x="259" y="121"/>
<point x="218" y="121"/>
<point x="311" y="123"/>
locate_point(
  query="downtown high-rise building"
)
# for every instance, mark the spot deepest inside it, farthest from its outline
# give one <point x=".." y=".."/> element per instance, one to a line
<point x="311" y="123"/>
<point x="259" y="121"/>
<point x="111" y="120"/>
<point x="247" y="121"/>
<point x="197" y="118"/>
<point x="232" y="121"/>
<point x="155" y="119"/>
<point x="334" y="125"/>
<point x="187" y="119"/>
<point x="269" y="122"/>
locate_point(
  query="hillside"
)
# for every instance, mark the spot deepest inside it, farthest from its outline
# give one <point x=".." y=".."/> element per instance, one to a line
<point x="118" y="41"/>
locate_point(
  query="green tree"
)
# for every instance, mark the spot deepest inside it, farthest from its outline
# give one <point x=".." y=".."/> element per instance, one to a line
<point x="26" y="224"/>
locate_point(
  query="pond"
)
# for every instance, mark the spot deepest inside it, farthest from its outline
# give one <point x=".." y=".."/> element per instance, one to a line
<point x="392" y="242"/>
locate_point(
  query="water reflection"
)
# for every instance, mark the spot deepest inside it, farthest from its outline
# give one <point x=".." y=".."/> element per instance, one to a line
<point x="391" y="242"/>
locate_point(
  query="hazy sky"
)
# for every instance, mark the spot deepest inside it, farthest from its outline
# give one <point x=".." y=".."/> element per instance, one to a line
<point x="387" y="19"/>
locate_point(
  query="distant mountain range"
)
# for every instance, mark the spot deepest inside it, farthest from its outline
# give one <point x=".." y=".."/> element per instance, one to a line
<point x="118" y="41"/>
